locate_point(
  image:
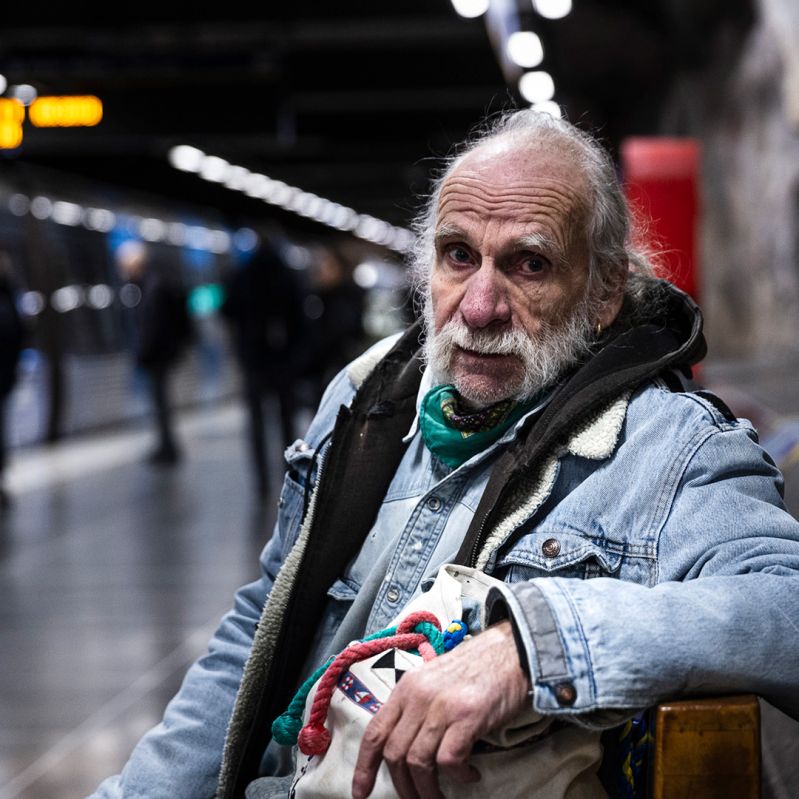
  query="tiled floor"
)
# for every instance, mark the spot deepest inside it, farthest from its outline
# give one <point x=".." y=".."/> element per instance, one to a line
<point x="113" y="574"/>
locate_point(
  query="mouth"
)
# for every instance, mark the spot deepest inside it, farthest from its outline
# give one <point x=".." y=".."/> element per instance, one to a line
<point x="476" y="354"/>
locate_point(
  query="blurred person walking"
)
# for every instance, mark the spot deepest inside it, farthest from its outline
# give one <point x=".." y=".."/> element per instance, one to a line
<point x="11" y="341"/>
<point x="163" y="332"/>
<point x="263" y="306"/>
<point x="335" y="321"/>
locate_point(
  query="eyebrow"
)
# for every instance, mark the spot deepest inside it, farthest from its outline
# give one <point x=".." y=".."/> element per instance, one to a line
<point x="447" y="232"/>
<point x="531" y="241"/>
<point x="536" y="241"/>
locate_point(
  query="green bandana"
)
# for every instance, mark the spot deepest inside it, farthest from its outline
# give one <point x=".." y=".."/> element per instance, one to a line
<point x="453" y="435"/>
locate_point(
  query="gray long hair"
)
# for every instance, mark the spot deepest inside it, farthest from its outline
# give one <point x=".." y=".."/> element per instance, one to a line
<point x="615" y="259"/>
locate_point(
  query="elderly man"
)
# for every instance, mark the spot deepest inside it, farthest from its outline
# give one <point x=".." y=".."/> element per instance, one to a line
<point x="543" y="433"/>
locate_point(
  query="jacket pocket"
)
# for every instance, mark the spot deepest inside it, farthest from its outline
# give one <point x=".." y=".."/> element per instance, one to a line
<point x="299" y="459"/>
<point x="556" y="553"/>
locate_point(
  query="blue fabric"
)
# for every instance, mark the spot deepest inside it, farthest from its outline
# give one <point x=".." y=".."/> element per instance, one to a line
<point x="694" y="565"/>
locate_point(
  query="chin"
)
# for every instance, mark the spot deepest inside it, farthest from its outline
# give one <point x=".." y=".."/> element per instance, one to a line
<point x="481" y="393"/>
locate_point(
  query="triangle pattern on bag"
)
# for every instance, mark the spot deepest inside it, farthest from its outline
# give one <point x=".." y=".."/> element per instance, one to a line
<point x="388" y="667"/>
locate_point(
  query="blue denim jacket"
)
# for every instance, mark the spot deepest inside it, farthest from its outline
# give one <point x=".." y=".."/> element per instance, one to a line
<point x="607" y="543"/>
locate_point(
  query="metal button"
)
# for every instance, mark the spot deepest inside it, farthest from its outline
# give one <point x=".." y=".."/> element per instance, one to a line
<point x="551" y="548"/>
<point x="565" y="693"/>
<point x="434" y="503"/>
<point x="393" y="595"/>
<point x="304" y="447"/>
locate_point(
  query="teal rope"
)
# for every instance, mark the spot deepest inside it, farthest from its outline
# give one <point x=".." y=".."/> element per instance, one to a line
<point x="287" y="726"/>
<point x="433" y="635"/>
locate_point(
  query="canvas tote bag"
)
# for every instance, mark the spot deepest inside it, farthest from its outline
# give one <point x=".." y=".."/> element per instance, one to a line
<point x="532" y="757"/>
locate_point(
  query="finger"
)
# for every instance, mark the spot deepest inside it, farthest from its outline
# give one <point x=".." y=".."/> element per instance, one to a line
<point x="395" y="754"/>
<point x="421" y="758"/>
<point x="453" y="754"/>
<point x="370" y="753"/>
<point x="402" y="780"/>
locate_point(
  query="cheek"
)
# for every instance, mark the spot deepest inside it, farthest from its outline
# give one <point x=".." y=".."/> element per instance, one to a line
<point x="445" y="299"/>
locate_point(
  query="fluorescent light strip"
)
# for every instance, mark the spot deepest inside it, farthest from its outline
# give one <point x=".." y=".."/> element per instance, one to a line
<point x="102" y="220"/>
<point x="291" y="198"/>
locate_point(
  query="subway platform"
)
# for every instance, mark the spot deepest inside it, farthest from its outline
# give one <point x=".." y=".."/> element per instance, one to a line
<point x="114" y="573"/>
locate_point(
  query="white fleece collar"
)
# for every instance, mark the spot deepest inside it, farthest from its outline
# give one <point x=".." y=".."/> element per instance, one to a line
<point x="364" y="364"/>
<point x="596" y="438"/>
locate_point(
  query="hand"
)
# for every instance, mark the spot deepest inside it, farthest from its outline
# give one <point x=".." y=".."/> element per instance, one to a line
<point x="436" y="713"/>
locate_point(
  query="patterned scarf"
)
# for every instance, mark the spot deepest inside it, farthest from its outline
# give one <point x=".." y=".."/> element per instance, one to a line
<point x="455" y="435"/>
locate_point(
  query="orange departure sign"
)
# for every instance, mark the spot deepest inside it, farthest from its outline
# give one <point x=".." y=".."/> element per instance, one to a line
<point x="66" y="111"/>
<point x="12" y="112"/>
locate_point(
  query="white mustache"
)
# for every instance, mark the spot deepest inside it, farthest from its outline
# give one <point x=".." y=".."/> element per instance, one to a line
<point x="509" y="342"/>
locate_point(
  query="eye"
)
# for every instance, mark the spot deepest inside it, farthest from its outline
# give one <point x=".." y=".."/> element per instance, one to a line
<point x="458" y="254"/>
<point x="532" y="264"/>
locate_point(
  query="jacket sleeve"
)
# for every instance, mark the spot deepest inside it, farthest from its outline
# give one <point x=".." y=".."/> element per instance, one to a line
<point x="723" y="616"/>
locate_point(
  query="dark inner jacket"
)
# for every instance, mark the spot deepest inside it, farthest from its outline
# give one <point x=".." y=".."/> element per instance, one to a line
<point x="366" y="448"/>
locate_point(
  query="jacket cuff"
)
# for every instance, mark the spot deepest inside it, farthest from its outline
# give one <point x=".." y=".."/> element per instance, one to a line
<point x="560" y="680"/>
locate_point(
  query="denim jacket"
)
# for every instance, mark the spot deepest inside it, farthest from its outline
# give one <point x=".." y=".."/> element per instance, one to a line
<point x="649" y="554"/>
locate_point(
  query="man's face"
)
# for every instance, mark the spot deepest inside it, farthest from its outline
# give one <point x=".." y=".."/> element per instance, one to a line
<point x="510" y="271"/>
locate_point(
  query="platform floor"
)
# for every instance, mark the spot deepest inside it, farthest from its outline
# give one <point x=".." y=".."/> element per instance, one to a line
<point x="113" y="574"/>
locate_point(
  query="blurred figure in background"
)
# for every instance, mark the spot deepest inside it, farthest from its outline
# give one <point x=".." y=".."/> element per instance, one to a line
<point x="163" y="331"/>
<point x="335" y="333"/>
<point x="11" y="340"/>
<point x="263" y="305"/>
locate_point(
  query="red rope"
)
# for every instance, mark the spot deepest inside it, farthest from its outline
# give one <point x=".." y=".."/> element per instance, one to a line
<point x="314" y="738"/>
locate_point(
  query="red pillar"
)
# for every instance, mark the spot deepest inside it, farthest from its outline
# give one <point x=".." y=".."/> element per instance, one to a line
<point x="660" y="180"/>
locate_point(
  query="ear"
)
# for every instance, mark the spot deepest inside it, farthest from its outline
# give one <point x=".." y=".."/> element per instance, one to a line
<point x="610" y="309"/>
<point x="613" y="300"/>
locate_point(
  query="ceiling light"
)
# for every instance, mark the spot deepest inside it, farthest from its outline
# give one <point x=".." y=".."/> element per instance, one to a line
<point x="66" y="213"/>
<point x="130" y="295"/>
<point x="549" y="107"/>
<point x="99" y="219"/>
<point x="197" y="237"/>
<point x="186" y="158"/>
<point x="100" y="296"/>
<point x="365" y="275"/>
<point x="345" y="218"/>
<point x="282" y="194"/>
<point x="237" y="178"/>
<point x="219" y="241"/>
<point x="41" y="207"/>
<point x="552" y="9"/>
<point x="152" y="229"/>
<point x="19" y="204"/>
<point x="470" y="8"/>
<point x="25" y="93"/>
<point x="245" y="239"/>
<point x="258" y="186"/>
<point x="67" y="298"/>
<point x="525" y="49"/>
<point x="31" y="303"/>
<point x="214" y="169"/>
<point x="536" y="87"/>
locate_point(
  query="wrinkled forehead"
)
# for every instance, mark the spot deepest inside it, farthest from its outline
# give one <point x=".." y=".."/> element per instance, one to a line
<point x="517" y="184"/>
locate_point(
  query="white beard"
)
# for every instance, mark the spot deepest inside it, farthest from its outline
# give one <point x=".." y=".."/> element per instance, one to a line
<point x="544" y="356"/>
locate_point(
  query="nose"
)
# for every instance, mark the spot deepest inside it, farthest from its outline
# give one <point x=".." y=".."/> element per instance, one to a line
<point x="485" y="301"/>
